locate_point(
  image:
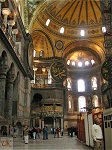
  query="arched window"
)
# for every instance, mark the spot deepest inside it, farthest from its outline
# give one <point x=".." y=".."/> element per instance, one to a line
<point x="69" y="82"/>
<point x="94" y="83"/>
<point x="81" y="85"/>
<point x="95" y="101"/>
<point x="49" y="77"/>
<point x="68" y="62"/>
<point x="41" y="53"/>
<point x="80" y="64"/>
<point x="47" y="22"/>
<point x="93" y="62"/>
<point x="86" y="63"/>
<point x="34" y="53"/>
<point x="70" y="103"/>
<point x="62" y="30"/>
<point x="73" y="63"/>
<point x="82" y="104"/>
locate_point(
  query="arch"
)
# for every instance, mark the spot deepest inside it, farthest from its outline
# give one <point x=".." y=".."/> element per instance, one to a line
<point x="4" y="130"/>
<point x="37" y="98"/>
<point x="19" y="128"/>
<point x="3" y="58"/>
<point x="35" y="33"/>
<point x="11" y="70"/>
<point x="85" y="45"/>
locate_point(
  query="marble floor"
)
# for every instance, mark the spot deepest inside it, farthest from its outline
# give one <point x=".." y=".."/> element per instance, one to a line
<point x="67" y="143"/>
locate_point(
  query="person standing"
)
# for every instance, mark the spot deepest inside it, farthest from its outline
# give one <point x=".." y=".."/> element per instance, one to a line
<point x="26" y="132"/>
<point x="44" y="133"/>
<point x="54" y="132"/>
<point x="97" y="135"/>
<point x="71" y="131"/>
<point x="46" y="130"/>
<point x="62" y="132"/>
<point x="38" y="132"/>
<point x="34" y="133"/>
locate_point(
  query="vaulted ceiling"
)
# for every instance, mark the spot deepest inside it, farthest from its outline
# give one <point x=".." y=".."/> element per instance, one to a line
<point x="74" y="16"/>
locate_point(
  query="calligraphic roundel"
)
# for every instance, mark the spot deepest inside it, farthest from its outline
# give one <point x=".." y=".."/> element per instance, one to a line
<point x="58" y="71"/>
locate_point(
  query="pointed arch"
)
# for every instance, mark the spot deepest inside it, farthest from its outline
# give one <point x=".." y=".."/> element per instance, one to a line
<point x="3" y="58"/>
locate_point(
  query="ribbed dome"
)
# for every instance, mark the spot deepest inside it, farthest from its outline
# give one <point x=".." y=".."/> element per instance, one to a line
<point x="72" y="15"/>
<point x="75" y="12"/>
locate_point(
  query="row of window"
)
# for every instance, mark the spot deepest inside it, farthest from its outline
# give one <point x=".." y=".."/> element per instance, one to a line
<point x="81" y="84"/>
<point x="82" y="103"/>
<point x="80" y="63"/>
<point x="62" y="29"/>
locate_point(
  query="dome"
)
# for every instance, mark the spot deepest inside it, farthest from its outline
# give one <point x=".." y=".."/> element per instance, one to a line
<point x="71" y="15"/>
<point x="74" y="13"/>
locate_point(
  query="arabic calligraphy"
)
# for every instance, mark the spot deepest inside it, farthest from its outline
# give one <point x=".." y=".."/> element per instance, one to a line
<point x="58" y="71"/>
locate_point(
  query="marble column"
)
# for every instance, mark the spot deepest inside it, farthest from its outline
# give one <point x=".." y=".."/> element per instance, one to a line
<point x="15" y="96"/>
<point x="3" y="71"/>
<point x="40" y="123"/>
<point x="54" y="122"/>
<point x="61" y="123"/>
<point x="34" y="122"/>
<point x="9" y="94"/>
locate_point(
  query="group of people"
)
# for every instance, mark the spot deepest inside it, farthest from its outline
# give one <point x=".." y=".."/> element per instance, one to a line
<point x="12" y="131"/>
<point x="31" y="133"/>
<point x="72" y="131"/>
<point x="57" y="131"/>
<point x="34" y="133"/>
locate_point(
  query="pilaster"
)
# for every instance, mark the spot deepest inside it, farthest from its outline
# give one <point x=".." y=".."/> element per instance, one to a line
<point x="3" y="72"/>
<point x="9" y="101"/>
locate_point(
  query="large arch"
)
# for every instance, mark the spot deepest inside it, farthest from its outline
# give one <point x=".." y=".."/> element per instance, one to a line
<point x="3" y="58"/>
<point x="39" y="35"/>
<point x="85" y="45"/>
